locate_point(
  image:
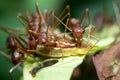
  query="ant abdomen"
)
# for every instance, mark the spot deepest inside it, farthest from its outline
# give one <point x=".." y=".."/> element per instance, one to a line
<point x="10" y="42"/>
<point x="17" y="57"/>
<point x="75" y="22"/>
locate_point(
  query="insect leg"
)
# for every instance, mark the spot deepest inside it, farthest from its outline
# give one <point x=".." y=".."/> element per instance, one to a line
<point x="5" y="55"/>
<point x="13" y="68"/>
<point x="41" y="16"/>
<point x="20" y="37"/>
<point x="63" y="23"/>
<point x="62" y="16"/>
<point x="86" y="13"/>
<point x="21" y="18"/>
<point x="90" y="29"/>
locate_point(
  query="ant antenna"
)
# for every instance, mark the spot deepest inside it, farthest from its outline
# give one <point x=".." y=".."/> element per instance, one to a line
<point x="40" y="14"/>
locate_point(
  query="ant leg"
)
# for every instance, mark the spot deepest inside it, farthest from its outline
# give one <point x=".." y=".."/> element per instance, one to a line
<point x="5" y="55"/>
<point x="60" y="50"/>
<point x="46" y="63"/>
<point x="90" y="31"/>
<point x="86" y="13"/>
<point x="90" y="46"/>
<point x="63" y="24"/>
<point x="62" y="16"/>
<point x="13" y="68"/>
<point x="32" y="50"/>
<point x="40" y="14"/>
<point x="48" y="42"/>
<point x="20" y="37"/>
<point x="21" y="18"/>
<point x="18" y="41"/>
<point x="51" y="19"/>
<point x="28" y="16"/>
<point x="65" y="31"/>
<point x="9" y="30"/>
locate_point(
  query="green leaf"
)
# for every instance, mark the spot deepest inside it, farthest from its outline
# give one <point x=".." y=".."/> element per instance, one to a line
<point x="59" y="71"/>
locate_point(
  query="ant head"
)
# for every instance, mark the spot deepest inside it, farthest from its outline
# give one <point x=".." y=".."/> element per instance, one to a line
<point x="17" y="57"/>
<point x="42" y="38"/>
<point x="78" y="32"/>
<point x="10" y="42"/>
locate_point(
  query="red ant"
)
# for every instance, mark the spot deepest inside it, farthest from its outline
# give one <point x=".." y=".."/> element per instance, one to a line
<point x="75" y="26"/>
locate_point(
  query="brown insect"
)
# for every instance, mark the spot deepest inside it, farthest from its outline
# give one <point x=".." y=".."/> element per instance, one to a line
<point x="75" y="26"/>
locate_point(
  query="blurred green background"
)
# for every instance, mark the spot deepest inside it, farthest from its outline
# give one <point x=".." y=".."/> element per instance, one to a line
<point x="9" y="10"/>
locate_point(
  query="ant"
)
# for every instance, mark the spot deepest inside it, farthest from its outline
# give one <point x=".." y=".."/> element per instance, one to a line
<point x="75" y="25"/>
